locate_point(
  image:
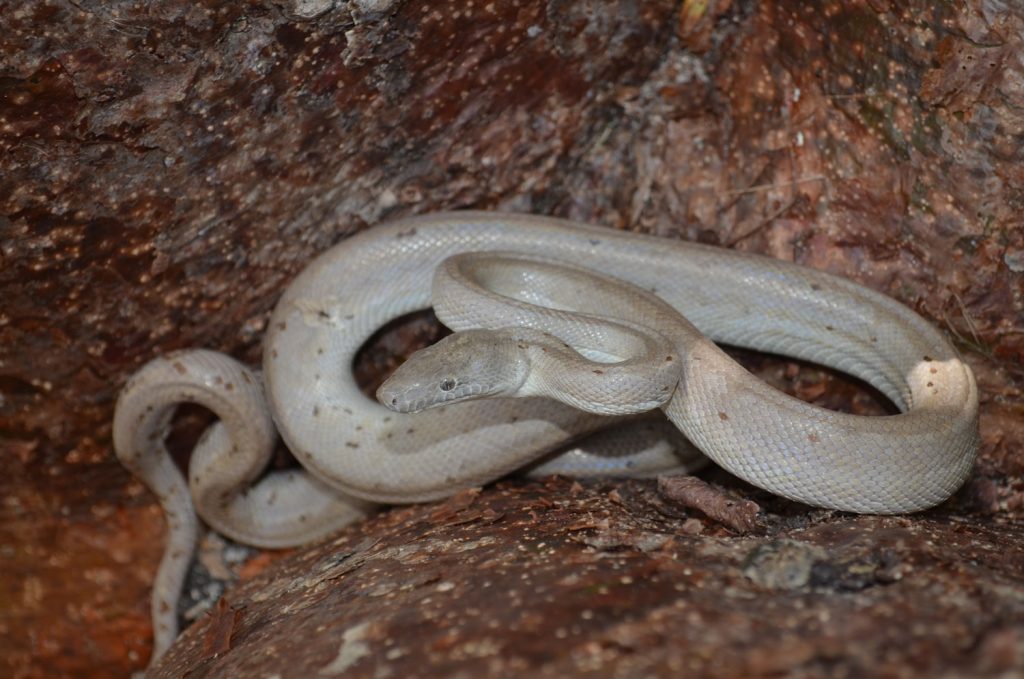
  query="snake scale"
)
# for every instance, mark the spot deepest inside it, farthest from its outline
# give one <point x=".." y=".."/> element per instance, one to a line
<point x="355" y="452"/>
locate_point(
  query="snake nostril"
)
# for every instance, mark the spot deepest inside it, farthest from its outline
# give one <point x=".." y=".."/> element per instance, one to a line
<point x="394" y="401"/>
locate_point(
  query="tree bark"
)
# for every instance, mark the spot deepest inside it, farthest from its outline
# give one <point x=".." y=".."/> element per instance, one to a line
<point x="166" y="168"/>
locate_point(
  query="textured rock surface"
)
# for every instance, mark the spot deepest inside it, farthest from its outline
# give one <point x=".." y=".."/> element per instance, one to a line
<point x="559" y="579"/>
<point x="165" y="169"/>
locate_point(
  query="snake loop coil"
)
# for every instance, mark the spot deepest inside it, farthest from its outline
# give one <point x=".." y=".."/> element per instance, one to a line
<point x="620" y="346"/>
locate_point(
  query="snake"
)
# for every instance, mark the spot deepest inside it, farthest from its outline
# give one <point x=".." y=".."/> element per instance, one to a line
<point x="559" y="326"/>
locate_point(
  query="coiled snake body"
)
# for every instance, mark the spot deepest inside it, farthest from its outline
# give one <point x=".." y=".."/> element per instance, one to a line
<point x="356" y="452"/>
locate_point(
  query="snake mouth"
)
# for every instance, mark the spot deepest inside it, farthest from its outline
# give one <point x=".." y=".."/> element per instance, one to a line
<point x="406" y="402"/>
<point x="400" y="403"/>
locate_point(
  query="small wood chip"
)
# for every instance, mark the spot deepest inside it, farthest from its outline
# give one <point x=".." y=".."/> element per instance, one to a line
<point x="223" y="619"/>
<point x="448" y="510"/>
<point x="689" y="491"/>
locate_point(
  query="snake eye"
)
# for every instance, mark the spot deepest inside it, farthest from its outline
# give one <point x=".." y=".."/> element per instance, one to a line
<point x="447" y="384"/>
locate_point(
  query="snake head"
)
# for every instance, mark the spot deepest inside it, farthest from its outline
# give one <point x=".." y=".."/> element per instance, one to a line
<point x="466" y="365"/>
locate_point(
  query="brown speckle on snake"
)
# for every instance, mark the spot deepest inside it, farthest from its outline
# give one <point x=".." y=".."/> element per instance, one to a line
<point x="386" y="272"/>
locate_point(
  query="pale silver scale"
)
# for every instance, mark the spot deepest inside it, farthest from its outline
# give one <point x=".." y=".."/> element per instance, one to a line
<point x="355" y="452"/>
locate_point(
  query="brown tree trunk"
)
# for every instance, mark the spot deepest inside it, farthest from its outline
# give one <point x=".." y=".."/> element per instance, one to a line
<point x="166" y="168"/>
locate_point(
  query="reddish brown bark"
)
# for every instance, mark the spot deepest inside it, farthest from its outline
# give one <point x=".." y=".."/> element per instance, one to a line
<point x="592" y="580"/>
<point x="166" y="168"/>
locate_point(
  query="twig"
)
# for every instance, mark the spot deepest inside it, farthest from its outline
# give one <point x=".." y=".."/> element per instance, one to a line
<point x="689" y="491"/>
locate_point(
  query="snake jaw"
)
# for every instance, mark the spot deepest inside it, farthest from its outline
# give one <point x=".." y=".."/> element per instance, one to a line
<point x="418" y="395"/>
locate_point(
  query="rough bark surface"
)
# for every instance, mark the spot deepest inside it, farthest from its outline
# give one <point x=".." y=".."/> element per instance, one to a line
<point x="166" y="168"/>
<point x="564" y="579"/>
